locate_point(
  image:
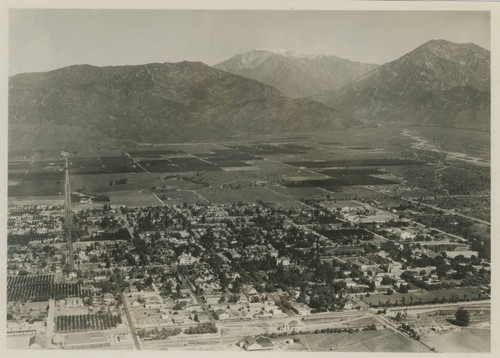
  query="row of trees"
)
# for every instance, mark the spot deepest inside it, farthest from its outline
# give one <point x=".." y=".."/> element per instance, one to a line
<point x="156" y="333"/>
<point x="76" y="323"/>
<point x="44" y="291"/>
<point x="202" y="328"/>
<point x="24" y="239"/>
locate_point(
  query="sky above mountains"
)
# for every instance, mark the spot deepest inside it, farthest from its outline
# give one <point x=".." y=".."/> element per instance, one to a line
<point x="42" y="40"/>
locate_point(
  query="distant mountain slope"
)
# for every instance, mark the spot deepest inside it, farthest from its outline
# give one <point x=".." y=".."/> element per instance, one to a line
<point x="295" y="75"/>
<point x="159" y="102"/>
<point x="440" y="83"/>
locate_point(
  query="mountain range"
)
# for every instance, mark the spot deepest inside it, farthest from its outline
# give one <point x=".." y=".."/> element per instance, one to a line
<point x="293" y="74"/>
<point x="157" y="103"/>
<point x="262" y="91"/>
<point x="439" y="83"/>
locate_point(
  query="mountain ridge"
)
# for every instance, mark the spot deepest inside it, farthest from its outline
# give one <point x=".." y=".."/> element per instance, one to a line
<point x="157" y="102"/>
<point x="438" y="83"/>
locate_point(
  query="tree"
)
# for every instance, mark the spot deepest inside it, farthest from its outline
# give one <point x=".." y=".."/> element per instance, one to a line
<point x="462" y="317"/>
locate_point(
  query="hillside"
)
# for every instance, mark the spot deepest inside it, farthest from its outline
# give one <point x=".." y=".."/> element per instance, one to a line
<point x="293" y="74"/>
<point x="439" y="84"/>
<point x="157" y="103"/>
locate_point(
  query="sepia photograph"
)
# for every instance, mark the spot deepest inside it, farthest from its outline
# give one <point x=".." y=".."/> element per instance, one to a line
<point x="244" y="179"/>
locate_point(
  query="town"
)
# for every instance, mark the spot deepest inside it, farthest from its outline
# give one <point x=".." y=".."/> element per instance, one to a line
<point x="241" y="275"/>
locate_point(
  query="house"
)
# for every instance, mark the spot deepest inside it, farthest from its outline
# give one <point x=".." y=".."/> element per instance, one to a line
<point x="100" y="278"/>
<point x="153" y="302"/>
<point x="211" y="300"/>
<point x="108" y="298"/>
<point x="86" y="200"/>
<point x="289" y="326"/>
<point x="273" y="253"/>
<point x="186" y="259"/>
<point x="283" y="260"/>
<point x="256" y="344"/>
<point x="221" y="315"/>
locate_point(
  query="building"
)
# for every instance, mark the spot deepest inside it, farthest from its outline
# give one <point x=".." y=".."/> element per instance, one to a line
<point x="38" y="342"/>
<point x="283" y="260"/>
<point x="256" y="344"/>
<point x="221" y="315"/>
<point x="185" y="259"/>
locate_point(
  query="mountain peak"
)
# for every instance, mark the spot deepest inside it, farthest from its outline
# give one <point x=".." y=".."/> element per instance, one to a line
<point x="296" y="75"/>
<point x="450" y="50"/>
<point x="438" y="83"/>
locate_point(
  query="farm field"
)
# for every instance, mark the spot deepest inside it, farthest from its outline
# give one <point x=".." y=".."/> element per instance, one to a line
<point x="342" y="180"/>
<point x="354" y="163"/>
<point x="119" y="164"/>
<point x="154" y="152"/>
<point x="132" y="198"/>
<point x="37" y="188"/>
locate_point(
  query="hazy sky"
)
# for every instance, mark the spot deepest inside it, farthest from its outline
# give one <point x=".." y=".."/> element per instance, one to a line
<point x="41" y="40"/>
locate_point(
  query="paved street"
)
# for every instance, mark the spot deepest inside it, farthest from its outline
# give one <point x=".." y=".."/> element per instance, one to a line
<point x="130" y="323"/>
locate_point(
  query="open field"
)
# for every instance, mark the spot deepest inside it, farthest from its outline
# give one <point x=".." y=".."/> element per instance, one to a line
<point x="465" y="340"/>
<point x="247" y="194"/>
<point x="18" y="342"/>
<point x="382" y="340"/>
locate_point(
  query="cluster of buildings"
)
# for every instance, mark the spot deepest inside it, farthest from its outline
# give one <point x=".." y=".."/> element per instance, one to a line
<point x="188" y="264"/>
